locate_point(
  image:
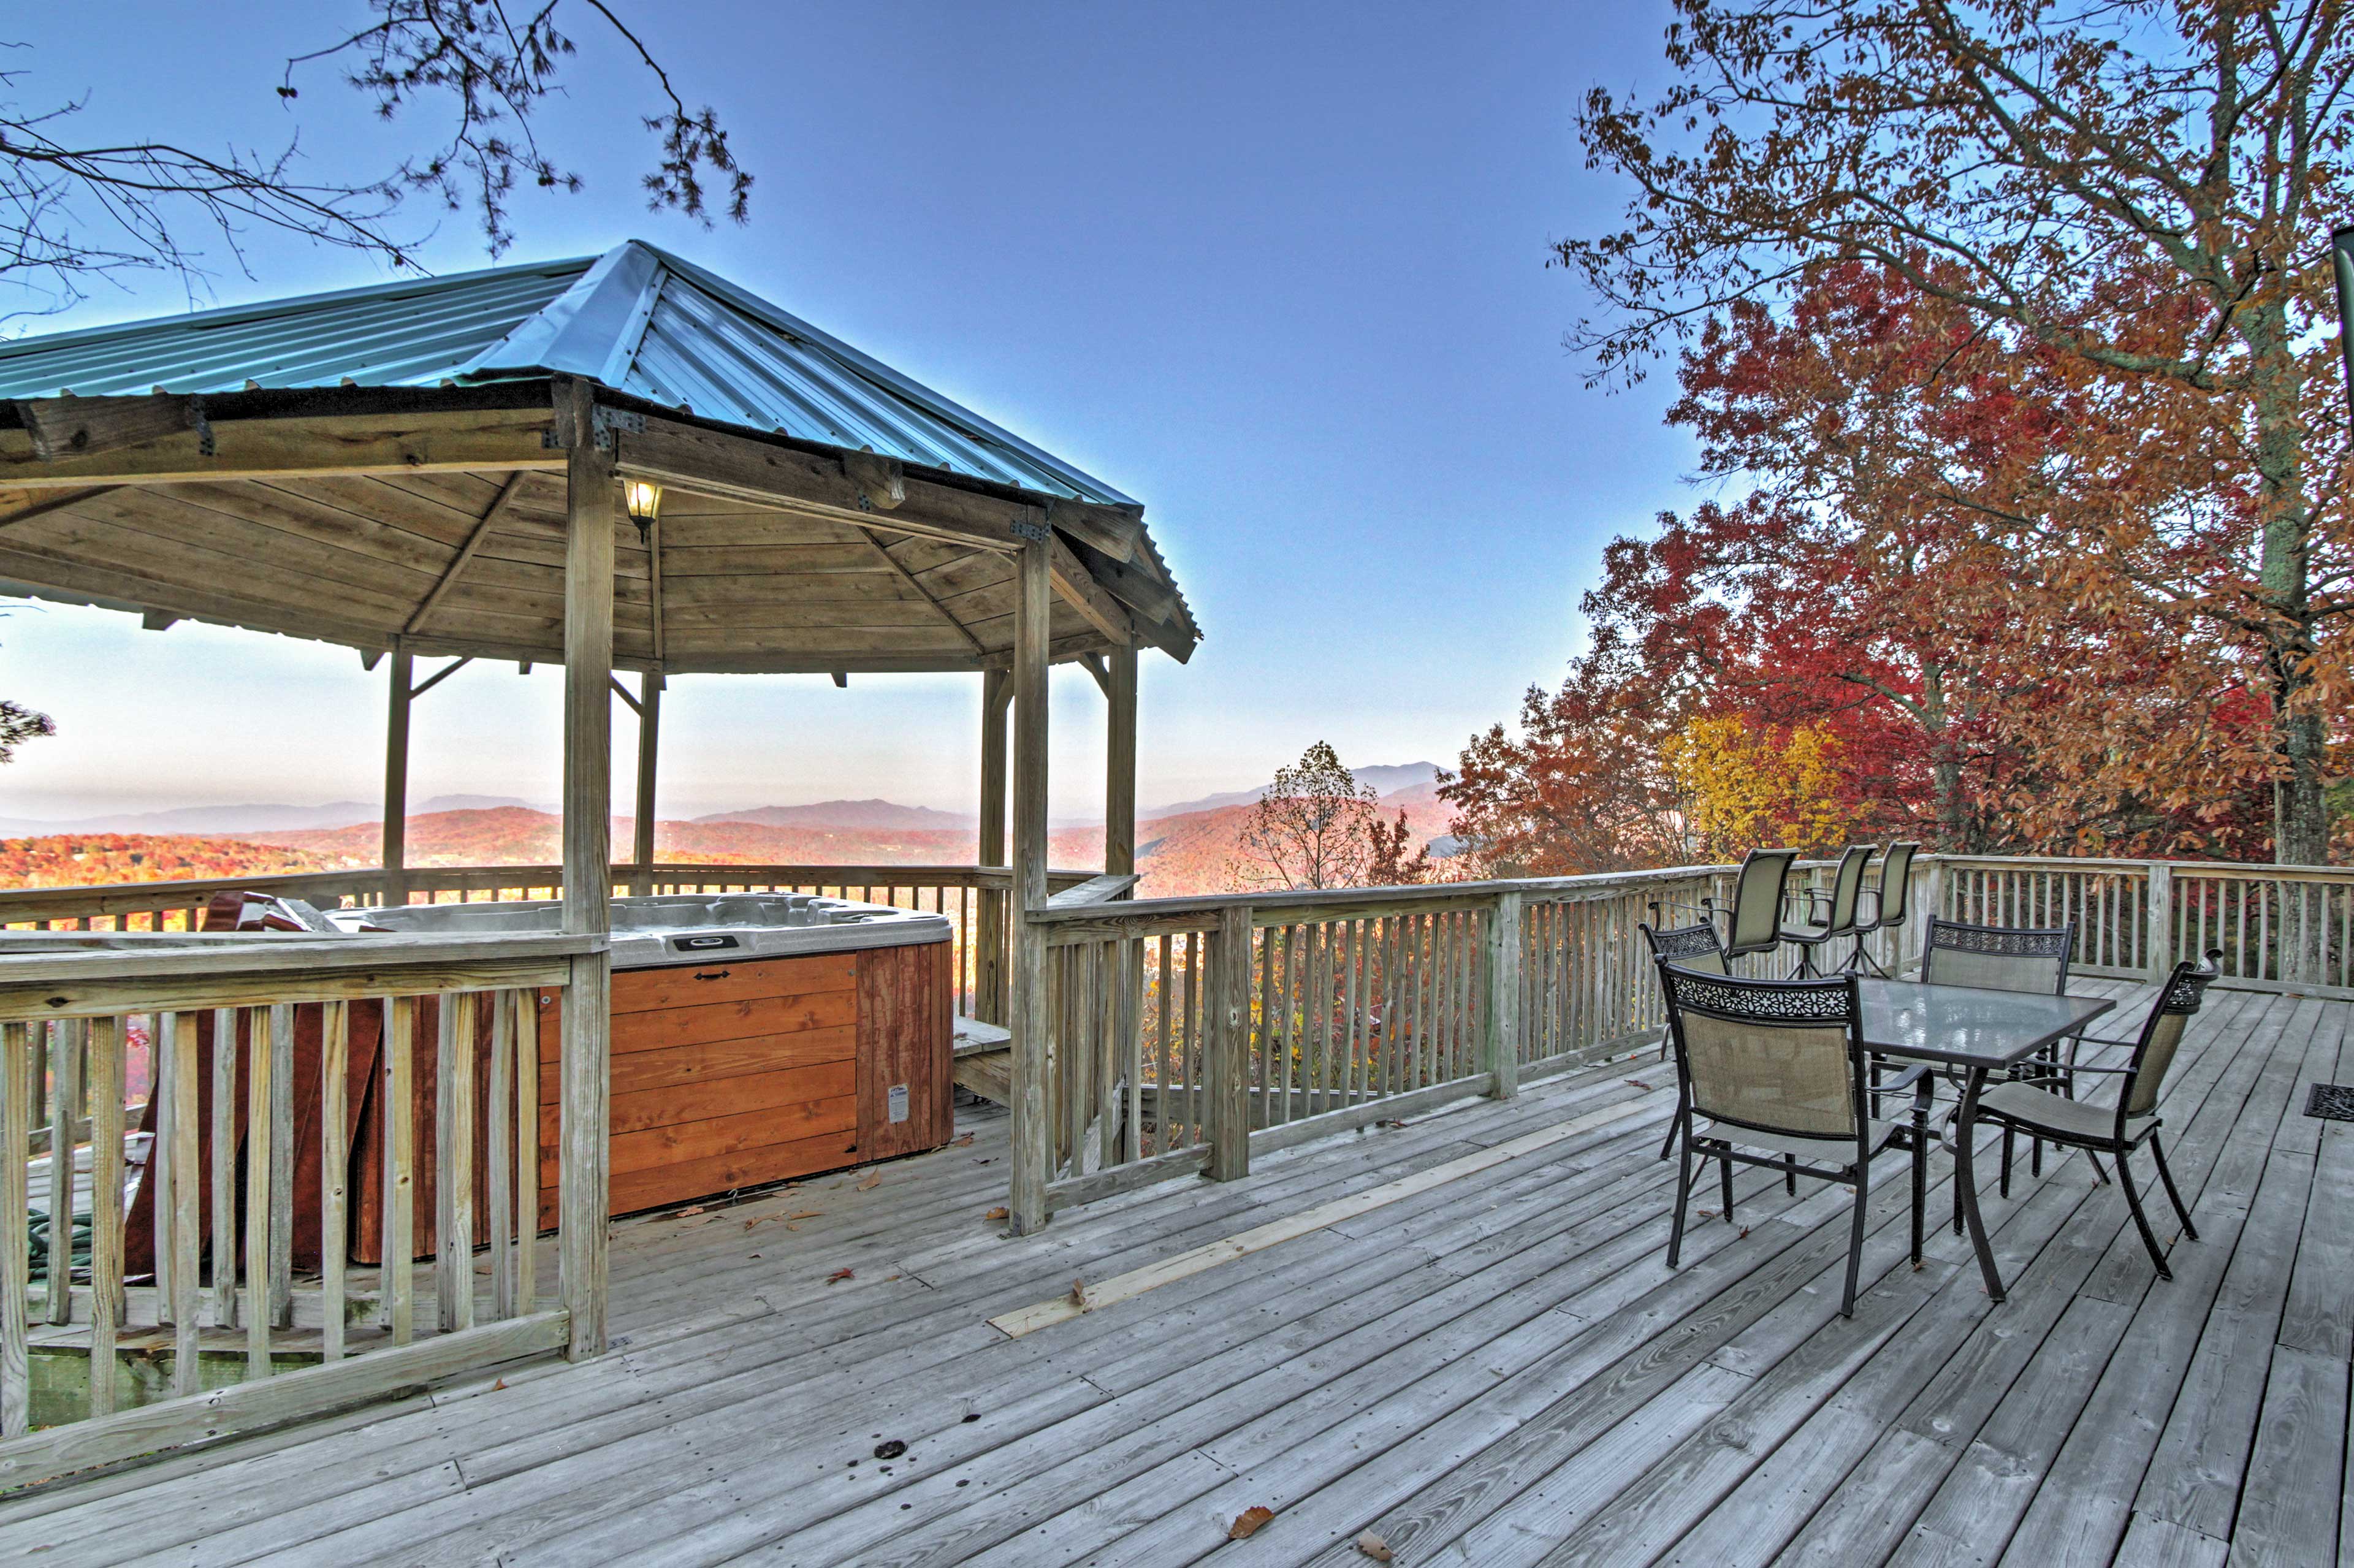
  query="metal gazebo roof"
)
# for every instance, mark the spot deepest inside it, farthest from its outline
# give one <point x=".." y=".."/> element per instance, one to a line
<point x="636" y="319"/>
<point x="382" y="467"/>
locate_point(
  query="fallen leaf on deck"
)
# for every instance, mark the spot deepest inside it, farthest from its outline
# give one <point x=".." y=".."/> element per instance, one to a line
<point x="1247" y="1522"/>
<point x="1079" y="1294"/>
<point x="690" y="1208"/>
<point x="1708" y="1214"/>
<point x="1637" y="1082"/>
<point x="1374" y="1547"/>
<point x="1390" y="1121"/>
<point x="1744" y="1234"/>
<point x="498" y="1385"/>
<point x="890" y="1450"/>
<point x="961" y="1139"/>
<point x="873" y="1179"/>
<point x="994" y="1214"/>
<point x="839" y="1274"/>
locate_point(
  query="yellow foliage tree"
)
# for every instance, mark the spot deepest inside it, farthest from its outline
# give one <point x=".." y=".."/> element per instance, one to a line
<point x="1743" y="786"/>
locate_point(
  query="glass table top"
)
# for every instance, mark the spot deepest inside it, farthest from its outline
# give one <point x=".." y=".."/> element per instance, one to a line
<point x="1967" y="1027"/>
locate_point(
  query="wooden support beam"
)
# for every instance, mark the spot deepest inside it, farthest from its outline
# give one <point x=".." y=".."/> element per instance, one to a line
<point x="470" y="439"/>
<point x="1499" y="1007"/>
<point x="466" y="554"/>
<point x="641" y="836"/>
<point x="1082" y="593"/>
<point x="395" y="853"/>
<point x="590" y="497"/>
<point x="624" y="693"/>
<point x="654" y="586"/>
<point x="914" y="582"/>
<point x="881" y="481"/>
<point x="841" y="680"/>
<point x="54" y="502"/>
<point x="443" y="673"/>
<point x="1093" y="663"/>
<point x="158" y="621"/>
<point x="1033" y="1139"/>
<point x="989" y="966"/>
<point x="1119" y="764"/>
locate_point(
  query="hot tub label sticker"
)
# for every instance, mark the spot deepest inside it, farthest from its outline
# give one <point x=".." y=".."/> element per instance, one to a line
<point x="899" y="1102"/>
<point x="703" y="944"/>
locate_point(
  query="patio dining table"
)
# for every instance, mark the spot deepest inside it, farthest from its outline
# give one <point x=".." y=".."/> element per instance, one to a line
<point x="1971" y="1032"/>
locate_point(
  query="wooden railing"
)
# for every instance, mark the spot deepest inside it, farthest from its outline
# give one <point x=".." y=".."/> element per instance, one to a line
<point x="972" y="897"/>
<point x="1185" y="1034"/>
<point x="287" y="1130"/>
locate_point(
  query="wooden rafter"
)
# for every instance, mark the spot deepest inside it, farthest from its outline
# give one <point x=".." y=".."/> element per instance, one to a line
<point x="48" y="504"/>
<point x="458" y="563"/>
<point x="913" y="582"/>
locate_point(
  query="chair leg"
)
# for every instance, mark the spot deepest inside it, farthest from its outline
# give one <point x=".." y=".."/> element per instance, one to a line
<point x="2034" y="1158"/>
<point x="1855" y="1239"/>
<point x="2141" y="1221"/>
<point x="2100" y="1172"/>
<point x="1683" y="1193"/>
<point x="1676" y="1122"/>
<point x="1919" y="1183"/>
<point x="1790" y="1174"/>
<point x="2003" y="1186"/>
<point x="1724" y="1172"/>
<point x="2166" y="1175"/>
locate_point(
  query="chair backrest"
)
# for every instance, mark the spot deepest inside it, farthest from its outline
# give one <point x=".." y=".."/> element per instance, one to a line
<point x="1756" y="923"/>
<point x="1999" y="958"/>
<point x="1847" y="885"/>
<point x="1773" y="1056"/>
<point x="2161" y="1034"/>
<point x="1692" y="946"/>
<point x="1895" y="885"/>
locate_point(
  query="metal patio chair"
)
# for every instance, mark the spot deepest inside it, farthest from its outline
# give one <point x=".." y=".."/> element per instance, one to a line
<point x="1775" y="1069"/>
<point x="1831" y="914"/>
<point x="1753" y="924"/>
<point x="2043" y="1111"/>
<point x="1892" y="903"/>
<point x="2004" y="957"/>
<point x="1694" y="948"/>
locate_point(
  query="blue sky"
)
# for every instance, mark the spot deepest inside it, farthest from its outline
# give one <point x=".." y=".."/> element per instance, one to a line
<point x="1276" y="269"/>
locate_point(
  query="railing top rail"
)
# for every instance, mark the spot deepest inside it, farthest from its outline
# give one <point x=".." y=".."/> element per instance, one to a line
<point x="1208" y="904"/>
<point x="2254" y="869"/>
<point x="112" y="897"/>
<point x="65" y="955"/>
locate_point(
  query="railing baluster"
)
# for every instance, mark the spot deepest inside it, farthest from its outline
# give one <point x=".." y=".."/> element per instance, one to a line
<point x="106" y="1180"/>
<point x="187" y="1177"/>
<point x="259" y="1141"/>
<point x="281" y="1165"/>
<point x="498" y="1118"/>
<point x="17" y="1103"/>
<point x="400" y="1171"/>
<point x="335" y="1164"/>
<point x="65" y="1119"/>
<point x="528" y="1009"/>
<point x="453" y="1183"/>
<point x="223" y="1138"/>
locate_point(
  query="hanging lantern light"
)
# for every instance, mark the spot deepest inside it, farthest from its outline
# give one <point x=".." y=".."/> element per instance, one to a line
<point x="644" y="498"/>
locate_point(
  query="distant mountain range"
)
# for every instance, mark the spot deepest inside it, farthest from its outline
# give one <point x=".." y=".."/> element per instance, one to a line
<point x="247" y="818"/>
<point x="1386" y="779"/>
<point x="881" y="816"/>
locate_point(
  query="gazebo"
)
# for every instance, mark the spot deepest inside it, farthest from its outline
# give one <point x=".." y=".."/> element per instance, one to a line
<point x="620" y="462"/>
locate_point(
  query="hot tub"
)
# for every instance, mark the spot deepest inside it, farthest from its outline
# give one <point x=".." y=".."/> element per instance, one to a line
<point x="684" y="929"/>
<point x="755" y="1036"/>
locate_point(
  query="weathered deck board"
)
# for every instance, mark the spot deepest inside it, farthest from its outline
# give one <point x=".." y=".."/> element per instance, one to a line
<point x="1499" y="1370"/>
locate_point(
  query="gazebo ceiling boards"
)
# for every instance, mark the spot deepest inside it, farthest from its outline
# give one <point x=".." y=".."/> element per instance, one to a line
<point x="251" y="472"/>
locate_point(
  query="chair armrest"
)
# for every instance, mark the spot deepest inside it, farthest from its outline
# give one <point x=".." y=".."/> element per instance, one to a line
<point x="1918" y="1073"/>
<point x="2084" y="1068"/>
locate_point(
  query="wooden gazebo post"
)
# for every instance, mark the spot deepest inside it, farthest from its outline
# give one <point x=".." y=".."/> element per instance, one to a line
<point x="1119" y="763"/>
<point x="1033" y="1145"/>
<point x="988" y="979"/>
<point x="396" y="776"/>
<point x="590" y="515"/>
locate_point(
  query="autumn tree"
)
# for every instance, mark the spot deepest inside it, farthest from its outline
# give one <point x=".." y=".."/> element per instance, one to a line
<point x="2137" y="193"/>
<point x="1582" y="784"/>
<point x="1319" y="826"/>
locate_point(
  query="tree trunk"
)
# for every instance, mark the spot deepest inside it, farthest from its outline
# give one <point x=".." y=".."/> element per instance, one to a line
<point x="2301" y="815"/>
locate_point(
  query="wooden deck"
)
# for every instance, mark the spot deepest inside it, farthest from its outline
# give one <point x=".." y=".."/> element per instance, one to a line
<point x="1493" y="1369"/>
